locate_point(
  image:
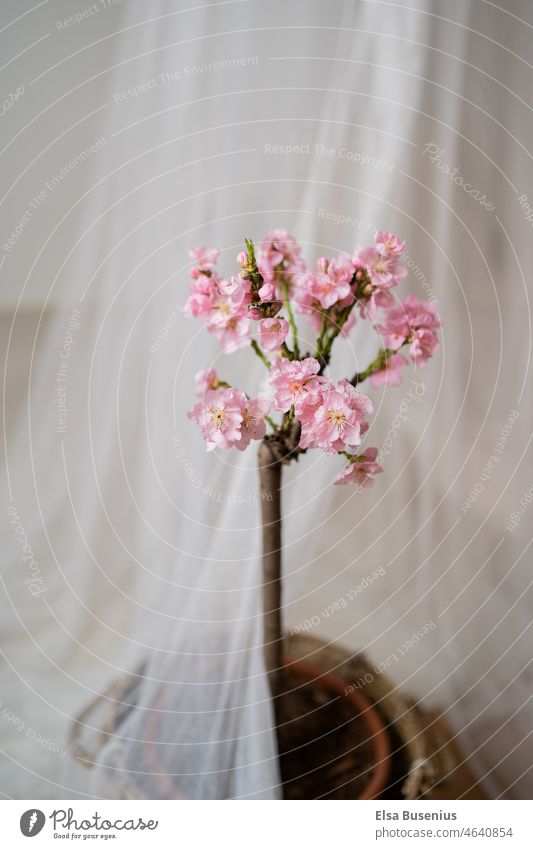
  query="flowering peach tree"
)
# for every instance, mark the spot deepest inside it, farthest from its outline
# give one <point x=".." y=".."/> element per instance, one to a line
<point x="301" y="406"/>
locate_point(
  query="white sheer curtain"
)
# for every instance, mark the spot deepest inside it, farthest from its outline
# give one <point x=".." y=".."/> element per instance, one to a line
<point x="147" y="548"/>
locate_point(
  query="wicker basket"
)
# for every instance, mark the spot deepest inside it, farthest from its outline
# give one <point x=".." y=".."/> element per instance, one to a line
<point x="420" y="758"/>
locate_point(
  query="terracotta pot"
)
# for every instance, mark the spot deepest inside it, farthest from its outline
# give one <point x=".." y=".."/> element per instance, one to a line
<point x="369" y="716"/>
<point x="379" y="769"/>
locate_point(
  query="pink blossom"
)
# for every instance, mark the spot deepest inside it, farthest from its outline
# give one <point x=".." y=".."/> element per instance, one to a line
<point x="336" y="419"/>
<point x="222" y="304"/>
<point x="332" y="426"/>
<point x="279" y="253"/>
<point x="331" y="416"/>
<point x="204" y="258"/>
<point x="414" y="321"/>
<point x="227" y="418"/>
<point x="292" y="381"/>
<point x="272" y="333"/>
<point x="253" y="411"/>
<point x="423" y="346"/>
<point x="388" y="244"/>
<point x="204" y="293"/>
<point x="238" y="290"/>
<point x="232" y="331"/>
<point x="219" y="417"/>
<point x="206" y="381"/>
<point x="328" y="284"/>
<point x="361" y="471"/>
<point x="199" y="304"/>
<point x="391" y="372"/>
<point x="384" y="270"/>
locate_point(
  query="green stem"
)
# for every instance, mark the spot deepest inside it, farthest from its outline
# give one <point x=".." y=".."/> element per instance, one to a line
<point x="319" y="352"/>
<point x="324" y="342"/>
<point x="288" y="419"/>
<point x="376" y="365"/>
<point x="351" y="457"/>
<point x="292" y="322"/>
<point x="251" y="271"/>
<point x="287" y="352"/>
<point x="271" y="422"/>
<point x="260" y="354"/>
<point x="343" y="318"/>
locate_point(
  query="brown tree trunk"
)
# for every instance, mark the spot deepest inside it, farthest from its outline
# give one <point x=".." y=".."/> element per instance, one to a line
<point x="270" y="479"/>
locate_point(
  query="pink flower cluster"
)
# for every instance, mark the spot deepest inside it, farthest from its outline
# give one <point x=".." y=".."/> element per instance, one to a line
<point x="225" y="416"/>
<point x="229" y="306"/>
<point x="279" y="260"/>
<point x="383" y="271"/>
<point x="366" y="277"/>
<point x="220" y="303"/>
<point x="246" y="309"/>
<point x="413" y="322"/>
<point x="332" y="415"/>
<point x="330" y="285"/>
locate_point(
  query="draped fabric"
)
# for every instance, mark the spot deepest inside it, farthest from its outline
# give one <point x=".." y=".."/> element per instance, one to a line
<point x="167" y="128"/>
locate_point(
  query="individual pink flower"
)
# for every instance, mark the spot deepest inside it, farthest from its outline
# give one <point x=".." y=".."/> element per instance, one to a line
<point x="206" y="381"/>
<point x="384" y="270"/>
<point x="413" y="321"/>
<point x="219" y="417"/>
<point x="272" y="333"/>
<point x="238" y="290"/>
<point x="199" y="304"/>
<point x="388" y="244"/>
<point x="292" y="381"/>
<point x="361" y="471"/>
<point x="334" y="424"/>
<point x="391" y="372"/>
<point x="253" y="426"/>
<point x="336" y="419"/>
<point x="360" y="402"/>
<point x="341" y="269"/>
<point x="204" y="259"/>
<point x="232" y="331"/>
<point x="423" y="345"/>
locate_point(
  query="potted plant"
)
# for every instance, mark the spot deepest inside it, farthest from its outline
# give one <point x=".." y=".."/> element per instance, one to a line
<point x="303" y="407"/>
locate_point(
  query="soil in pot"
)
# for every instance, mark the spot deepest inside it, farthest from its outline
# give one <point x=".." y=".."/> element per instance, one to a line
<point x="325" y="747"/>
